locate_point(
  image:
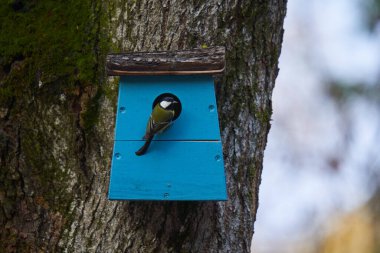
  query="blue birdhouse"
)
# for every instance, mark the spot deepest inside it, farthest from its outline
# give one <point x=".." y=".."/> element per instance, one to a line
<point x="184" y="162"/>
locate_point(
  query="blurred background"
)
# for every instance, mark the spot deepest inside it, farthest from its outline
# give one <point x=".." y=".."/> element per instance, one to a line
<point x="320" y="189"/>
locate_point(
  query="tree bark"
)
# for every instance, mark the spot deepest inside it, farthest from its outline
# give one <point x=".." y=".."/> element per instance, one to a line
<point x="57" y="114"/>
<point x="185" y="62"/>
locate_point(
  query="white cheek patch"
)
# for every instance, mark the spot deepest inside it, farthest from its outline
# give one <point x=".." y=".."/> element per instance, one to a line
<point x="164" y="104"/>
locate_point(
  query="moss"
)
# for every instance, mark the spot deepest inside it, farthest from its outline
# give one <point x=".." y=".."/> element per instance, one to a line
<point x="49" y="42"/>
<point x="264" y="116"/>
<point x="58" y="39"/>
<point x="90" y="116"/>
<point x="49" y="49"/>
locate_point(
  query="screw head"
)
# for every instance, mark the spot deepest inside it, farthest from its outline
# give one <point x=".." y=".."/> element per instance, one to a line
<point x="211" y="108"/>
<point x="118" y="156"/>
<point x="122" y="109"/>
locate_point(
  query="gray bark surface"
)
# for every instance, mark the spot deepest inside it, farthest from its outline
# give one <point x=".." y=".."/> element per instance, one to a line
<point x="56" y="143"/>
<point x="179" y="62"/>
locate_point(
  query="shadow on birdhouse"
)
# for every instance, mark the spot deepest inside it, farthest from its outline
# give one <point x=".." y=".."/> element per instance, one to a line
<point x="167" y="99"/>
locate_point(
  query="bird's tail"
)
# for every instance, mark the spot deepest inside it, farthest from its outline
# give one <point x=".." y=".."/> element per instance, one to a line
<point x="145" y="147"/>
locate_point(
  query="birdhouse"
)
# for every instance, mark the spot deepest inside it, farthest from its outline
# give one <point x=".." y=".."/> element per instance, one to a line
<point x="184" y="162"/>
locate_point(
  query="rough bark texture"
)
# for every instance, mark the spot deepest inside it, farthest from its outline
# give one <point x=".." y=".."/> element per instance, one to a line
<point x="178" y="62"/>
<point x="57" y="114"/>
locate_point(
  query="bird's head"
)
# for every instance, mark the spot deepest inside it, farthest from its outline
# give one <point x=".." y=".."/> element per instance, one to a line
<point x="170" y="102"/>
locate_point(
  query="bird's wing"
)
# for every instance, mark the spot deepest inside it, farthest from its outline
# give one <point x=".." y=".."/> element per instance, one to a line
<point x="158" y="126"/>
<point x="154" y="127"/>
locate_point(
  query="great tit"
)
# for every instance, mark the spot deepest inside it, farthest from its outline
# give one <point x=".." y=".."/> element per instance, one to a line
<point x="163" y="114"/>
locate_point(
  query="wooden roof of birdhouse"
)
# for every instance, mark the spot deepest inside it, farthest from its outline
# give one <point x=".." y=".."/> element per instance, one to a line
<point x="209" y="61"/>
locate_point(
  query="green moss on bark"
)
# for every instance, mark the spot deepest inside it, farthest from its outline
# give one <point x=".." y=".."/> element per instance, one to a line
<point x="58" y="37"/>
<point x="51" y="71"/>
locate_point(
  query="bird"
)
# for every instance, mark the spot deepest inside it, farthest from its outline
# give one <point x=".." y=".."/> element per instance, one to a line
<point x="165" y="111"/>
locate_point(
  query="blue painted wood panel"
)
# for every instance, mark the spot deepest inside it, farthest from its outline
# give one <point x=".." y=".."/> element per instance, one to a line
<point x="199" y="117"/>
<point x="170" y="170"/>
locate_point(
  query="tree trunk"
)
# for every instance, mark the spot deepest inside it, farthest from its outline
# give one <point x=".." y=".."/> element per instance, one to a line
<point x="57" y="112"/>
